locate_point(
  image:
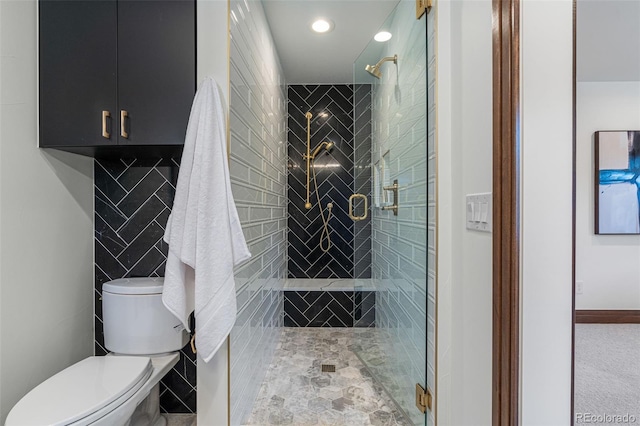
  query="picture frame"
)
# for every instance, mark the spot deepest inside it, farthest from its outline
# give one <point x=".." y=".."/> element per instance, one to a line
<point x="617" y="182"/>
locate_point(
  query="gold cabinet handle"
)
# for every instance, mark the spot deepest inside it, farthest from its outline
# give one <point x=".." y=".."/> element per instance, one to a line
<point x="123" y="116"/>
<point x="105" y="132"/>
<point x="366" y="206"/>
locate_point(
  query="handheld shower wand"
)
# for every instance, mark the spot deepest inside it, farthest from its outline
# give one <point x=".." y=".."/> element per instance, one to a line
<point x="310" y="156"/>
<point x="325" y="145"/>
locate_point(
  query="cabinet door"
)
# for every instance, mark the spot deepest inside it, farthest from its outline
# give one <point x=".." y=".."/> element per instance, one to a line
<point x="156" y="69"/>
<point x="78" y="41"/>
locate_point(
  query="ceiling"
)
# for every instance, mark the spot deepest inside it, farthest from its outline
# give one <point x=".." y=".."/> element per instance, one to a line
<point x="608" y="40"/>
<point x="311" y="58"/>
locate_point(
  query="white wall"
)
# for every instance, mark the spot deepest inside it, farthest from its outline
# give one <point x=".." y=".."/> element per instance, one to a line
<point x="464" y="167"/>
<point x="607" y="265"/>
<point x="546" y="173"/>
<point x="212" y="60"/>
<point x="46" y="228"/>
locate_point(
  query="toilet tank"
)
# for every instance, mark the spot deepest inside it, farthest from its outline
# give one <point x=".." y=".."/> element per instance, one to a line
<point x="135" y="320"/>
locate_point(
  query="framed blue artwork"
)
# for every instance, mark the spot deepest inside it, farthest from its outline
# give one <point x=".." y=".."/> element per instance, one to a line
<point x="617" y="182"/>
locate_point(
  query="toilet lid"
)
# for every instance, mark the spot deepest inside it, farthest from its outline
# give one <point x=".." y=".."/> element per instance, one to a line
<point x="80" y="390"/>
<point x="141" y="285"/>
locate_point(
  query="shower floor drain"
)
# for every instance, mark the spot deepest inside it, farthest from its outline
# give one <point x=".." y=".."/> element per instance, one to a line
<point x="328" y="368"/>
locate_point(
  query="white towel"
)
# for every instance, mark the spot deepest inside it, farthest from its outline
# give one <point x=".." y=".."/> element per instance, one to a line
<point x="203" y="231"/>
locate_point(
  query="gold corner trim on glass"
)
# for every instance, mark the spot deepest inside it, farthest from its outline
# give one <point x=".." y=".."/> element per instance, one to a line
<point x="423" y="6"/>
<point x="394" y="189"/>
<point x="436" y="150"/>
<point x="424" y="400"/>
<point x="228" y="121"/>
<point x="105" y="132"/>
<point x="420" y="8"/>
<point x="123" y="116"/>
<point x="229" y="379"/>
<point x="307" y="204"/>
<point x="366" y="206"/>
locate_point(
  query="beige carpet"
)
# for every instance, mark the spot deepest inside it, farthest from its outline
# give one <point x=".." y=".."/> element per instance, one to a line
<point x="607" y="374"/>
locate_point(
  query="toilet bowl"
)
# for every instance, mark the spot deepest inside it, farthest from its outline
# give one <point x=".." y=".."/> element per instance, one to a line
<point x="122" y="388"/>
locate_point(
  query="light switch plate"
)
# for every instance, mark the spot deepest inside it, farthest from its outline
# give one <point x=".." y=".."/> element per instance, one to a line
<point x="479" y="212"/>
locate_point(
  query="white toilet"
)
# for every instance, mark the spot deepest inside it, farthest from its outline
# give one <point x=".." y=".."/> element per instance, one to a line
<point x="120" y="389"/>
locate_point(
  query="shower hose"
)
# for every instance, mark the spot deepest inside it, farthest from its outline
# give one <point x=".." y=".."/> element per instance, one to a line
<point x="324" y="236"/>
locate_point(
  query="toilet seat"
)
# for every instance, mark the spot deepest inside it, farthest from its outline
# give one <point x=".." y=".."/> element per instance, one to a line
<point x="88" y="389"/>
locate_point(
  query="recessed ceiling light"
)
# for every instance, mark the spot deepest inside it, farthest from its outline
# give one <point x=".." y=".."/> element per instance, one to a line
<point x="382" y="36"/>
<point x="322" y="26"/>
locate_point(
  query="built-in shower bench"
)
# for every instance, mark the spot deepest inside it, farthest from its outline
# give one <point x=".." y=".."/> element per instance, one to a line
<point x="329" y="302"/>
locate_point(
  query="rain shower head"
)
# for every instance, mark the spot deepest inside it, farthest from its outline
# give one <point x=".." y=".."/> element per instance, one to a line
<point x="375" y="70"/>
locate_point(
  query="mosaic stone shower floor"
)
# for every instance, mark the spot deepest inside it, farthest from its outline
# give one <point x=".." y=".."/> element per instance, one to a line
<point x="296" y="392"/>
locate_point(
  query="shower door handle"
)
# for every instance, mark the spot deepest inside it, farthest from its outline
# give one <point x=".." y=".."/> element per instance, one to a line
<point x="393" y="188"/>
<point x="366" y="206"/>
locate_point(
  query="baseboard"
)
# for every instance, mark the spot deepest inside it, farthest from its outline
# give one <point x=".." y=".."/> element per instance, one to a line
<point x="607" y="317"/>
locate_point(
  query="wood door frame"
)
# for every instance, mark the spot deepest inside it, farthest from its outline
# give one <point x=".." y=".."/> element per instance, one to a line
<point x="506" y="210"/>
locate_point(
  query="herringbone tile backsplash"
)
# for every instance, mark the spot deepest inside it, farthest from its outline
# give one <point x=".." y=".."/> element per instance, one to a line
<point x="133" y="199"/>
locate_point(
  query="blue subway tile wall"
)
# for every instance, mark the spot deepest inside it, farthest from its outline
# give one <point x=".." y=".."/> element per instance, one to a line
<point x="257" y="121"/>
<point x="332" y="121"/>
<point x="133" y="199"/>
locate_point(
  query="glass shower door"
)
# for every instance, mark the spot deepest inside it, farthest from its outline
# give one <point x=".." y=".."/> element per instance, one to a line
<point x="395" y="168"/>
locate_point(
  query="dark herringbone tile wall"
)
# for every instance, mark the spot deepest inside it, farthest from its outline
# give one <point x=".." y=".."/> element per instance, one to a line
<point x="362" y="179"/>
<point x="329" y="308"/>
<point x="133" y="199"/>
<point x="332" y="121"/>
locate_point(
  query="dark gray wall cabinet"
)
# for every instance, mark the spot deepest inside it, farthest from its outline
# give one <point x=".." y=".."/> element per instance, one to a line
<point x="116" y="77"/>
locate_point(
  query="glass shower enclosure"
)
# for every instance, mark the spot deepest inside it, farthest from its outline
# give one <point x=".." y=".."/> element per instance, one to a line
<point x="394" y="159"/>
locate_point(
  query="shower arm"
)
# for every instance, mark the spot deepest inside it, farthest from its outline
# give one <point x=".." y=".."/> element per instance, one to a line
<point x="393" y="58"/>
